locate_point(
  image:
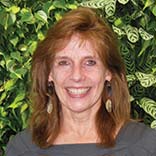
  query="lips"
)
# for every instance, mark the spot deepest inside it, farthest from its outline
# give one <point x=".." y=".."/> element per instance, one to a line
<point x="78" y="92"/>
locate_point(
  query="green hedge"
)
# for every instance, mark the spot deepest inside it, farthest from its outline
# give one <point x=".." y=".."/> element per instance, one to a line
<point x="23" y="23"/>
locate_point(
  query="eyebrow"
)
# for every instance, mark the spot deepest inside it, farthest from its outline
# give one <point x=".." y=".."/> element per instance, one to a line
<point x="61" y="57"/>
<point x="66" y="57"/>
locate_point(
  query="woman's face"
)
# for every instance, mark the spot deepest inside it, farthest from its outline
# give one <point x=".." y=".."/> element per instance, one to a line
<point x="78" y="76"/>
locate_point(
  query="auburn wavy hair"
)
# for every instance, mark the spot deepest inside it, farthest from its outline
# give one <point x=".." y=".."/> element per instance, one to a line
<point x="85" y="22"/>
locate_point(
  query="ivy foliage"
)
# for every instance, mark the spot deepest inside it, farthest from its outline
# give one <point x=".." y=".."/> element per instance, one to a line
<point x="23" y="23"/>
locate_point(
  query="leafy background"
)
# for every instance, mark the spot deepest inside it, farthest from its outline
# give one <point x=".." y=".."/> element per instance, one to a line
<point x="23" y="23"/>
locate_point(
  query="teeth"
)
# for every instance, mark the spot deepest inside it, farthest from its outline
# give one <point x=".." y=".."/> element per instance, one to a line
<point x="78" y="91"/>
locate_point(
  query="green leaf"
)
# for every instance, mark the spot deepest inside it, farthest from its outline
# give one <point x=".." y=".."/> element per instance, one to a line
<point x="48" y="6"/>
<point x="118" y="30"/>
<point x="14" y="9"/>
<point x="17" y="101"/>
<point x="41" y="15"/>
<point x="15" y="75"/>
<point x="10" y="64"/>
<point x="145" y="35"/>
<point x="6" y="3"/>
<point x="131" y="98"/>
<point x="27" y="16"/>
<point x="2" y="63"/>
<point x="11" y="19"/>
<point x="40" y="36"/>
<point x="16" y="55"/>
<point x="145" y="45"/>
<point x="14" y="40"/>
<point x="128" y="59"/>
<point x="59" y="4"/>
<point x="15" y="105"/>
<point x="118" y="22"/>
<point x="94" y="4"/>
<point x="154" y="10"/>
<point x="2" y="97"/>
<point x="149" y="106"/>
<point x="22" y="47"/>
<point x="3" y="15"/>
<point x="146" y="80"/>
<point x="110" y="7"/>
<point x="3" y="113"/>
<point x="7" y="19"/>
<point x="153" y="124"/>
<point x="24" y="107"/>
<point x="32" y="46"/>
<point x="20" y="33"/>
<point x="3" y="122"/>
<point x="132" y="33"/>
<point x="21" y="71"/>
<point x="130" y="77"/>
<point x="71" y="6"/>
<point x="9" y="84"/>
<point x="123" y="1"/>
<point x="39" y="26"/>
<point x="58" y="16"/>
<point x="148" y="3"/>
<point x="24" y="117"/>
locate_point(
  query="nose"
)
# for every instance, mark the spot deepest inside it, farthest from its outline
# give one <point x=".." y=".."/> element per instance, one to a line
<point x="77" y="74"/>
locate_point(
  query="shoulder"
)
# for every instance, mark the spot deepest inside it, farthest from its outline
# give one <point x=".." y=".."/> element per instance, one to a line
<point x="138" y="129"/>
<point x="139" y="138"/>
<point x="21" y="145"/>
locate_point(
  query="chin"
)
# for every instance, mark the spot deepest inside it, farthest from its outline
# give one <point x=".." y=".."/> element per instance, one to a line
<point x="79" y="108"/>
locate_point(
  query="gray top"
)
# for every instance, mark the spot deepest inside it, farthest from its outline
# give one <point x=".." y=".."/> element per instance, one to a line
<point x="134" y="139"/>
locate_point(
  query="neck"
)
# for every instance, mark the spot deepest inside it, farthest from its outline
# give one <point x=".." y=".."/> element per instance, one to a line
<point x="77" y="127"/>
<point x="79" y="123"/>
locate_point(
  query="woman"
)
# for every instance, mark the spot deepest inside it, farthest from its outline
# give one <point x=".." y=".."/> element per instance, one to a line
<point x="81" y="99"/>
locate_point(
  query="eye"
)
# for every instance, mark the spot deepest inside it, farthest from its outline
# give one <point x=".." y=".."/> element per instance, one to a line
<point x="63" y="62"/>
<point x="90" y="62"/>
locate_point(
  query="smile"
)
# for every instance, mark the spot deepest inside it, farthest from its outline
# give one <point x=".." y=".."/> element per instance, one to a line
<point x="78" y="91"/>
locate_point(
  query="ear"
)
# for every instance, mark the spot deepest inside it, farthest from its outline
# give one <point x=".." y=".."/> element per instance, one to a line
<point x="108" y="76"/>
<point x="50" y="78"/>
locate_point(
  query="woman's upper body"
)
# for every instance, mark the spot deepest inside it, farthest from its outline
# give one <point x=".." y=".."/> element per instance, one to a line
<point x="79" y="83"/>
<point x="134" y="139"/>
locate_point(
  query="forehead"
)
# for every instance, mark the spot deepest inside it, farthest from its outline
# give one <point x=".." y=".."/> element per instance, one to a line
<point x="78" y="47"/>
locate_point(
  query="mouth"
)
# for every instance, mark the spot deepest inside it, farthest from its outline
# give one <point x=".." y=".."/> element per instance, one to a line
<point x="78" y="92"/>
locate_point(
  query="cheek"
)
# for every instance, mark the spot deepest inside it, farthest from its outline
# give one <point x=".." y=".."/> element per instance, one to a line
<point x="100" y="82"/>
<point x="97" y="76"/>
<point x="59" y="77"/>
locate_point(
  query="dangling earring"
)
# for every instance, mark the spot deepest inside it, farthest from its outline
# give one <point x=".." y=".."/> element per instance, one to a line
<point x="49" y="106"/>
<point x="108" y="103"/>
<point x="50" y="92"/>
